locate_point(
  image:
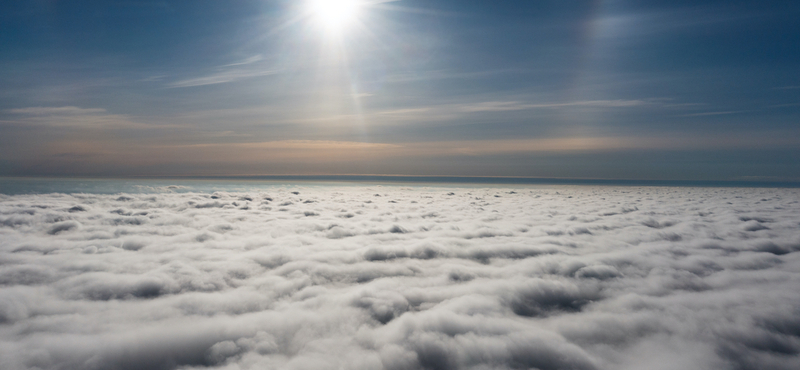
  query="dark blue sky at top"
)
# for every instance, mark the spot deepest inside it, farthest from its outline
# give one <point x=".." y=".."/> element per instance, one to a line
<point x="667" y="89"/>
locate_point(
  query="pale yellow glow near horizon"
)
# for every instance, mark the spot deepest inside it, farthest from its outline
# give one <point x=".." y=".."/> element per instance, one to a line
<point x="335" y="15"/>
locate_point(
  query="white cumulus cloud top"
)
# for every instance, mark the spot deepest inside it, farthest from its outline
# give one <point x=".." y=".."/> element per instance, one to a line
<point x="402" y="278"/>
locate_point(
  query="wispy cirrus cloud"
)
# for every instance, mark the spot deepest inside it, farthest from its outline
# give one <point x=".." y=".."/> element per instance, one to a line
<point x="228" y="73"/>
<point x="48" y="111"/>
<point x="721" y="113"/>
<point x="499" y="106"/>
<point x="221" y="78"/>
<point x="71" y="117"/>
<point x="447" y="112"/>
<point x="250" y="60"/>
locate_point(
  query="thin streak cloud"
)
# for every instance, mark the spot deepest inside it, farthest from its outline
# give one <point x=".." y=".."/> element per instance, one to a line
<point x="47" y="111"/>
<point x="514" y="105"/>
<point x="251" y="60"/>
<point x="74" y="118"/>
<point x="714" y="113"/>
<point x="221" y="78"/>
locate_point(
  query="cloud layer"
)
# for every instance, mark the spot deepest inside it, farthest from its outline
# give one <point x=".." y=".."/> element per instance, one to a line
<point x="402" y="278"/>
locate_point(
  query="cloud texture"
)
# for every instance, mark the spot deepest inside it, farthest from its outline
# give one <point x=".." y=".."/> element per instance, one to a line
<point x="402" y="278"/>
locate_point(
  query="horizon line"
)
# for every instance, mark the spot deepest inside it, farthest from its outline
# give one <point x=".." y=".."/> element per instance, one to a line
<point x="444" y="179"/>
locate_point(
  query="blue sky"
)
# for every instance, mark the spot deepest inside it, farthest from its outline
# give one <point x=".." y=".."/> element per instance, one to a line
<point x="685" y="90"/>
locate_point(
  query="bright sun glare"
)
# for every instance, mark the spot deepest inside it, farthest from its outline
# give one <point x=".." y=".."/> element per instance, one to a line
<point x="335" y="15"/>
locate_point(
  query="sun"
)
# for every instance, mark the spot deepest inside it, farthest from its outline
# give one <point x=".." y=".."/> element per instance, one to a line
<point x="335" y="15"/>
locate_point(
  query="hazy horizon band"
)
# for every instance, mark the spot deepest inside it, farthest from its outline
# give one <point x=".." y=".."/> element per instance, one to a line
<point x="41" y="185"/>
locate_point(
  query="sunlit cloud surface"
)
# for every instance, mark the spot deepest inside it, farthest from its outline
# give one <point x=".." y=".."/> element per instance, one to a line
<point x="390" y="277"/>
